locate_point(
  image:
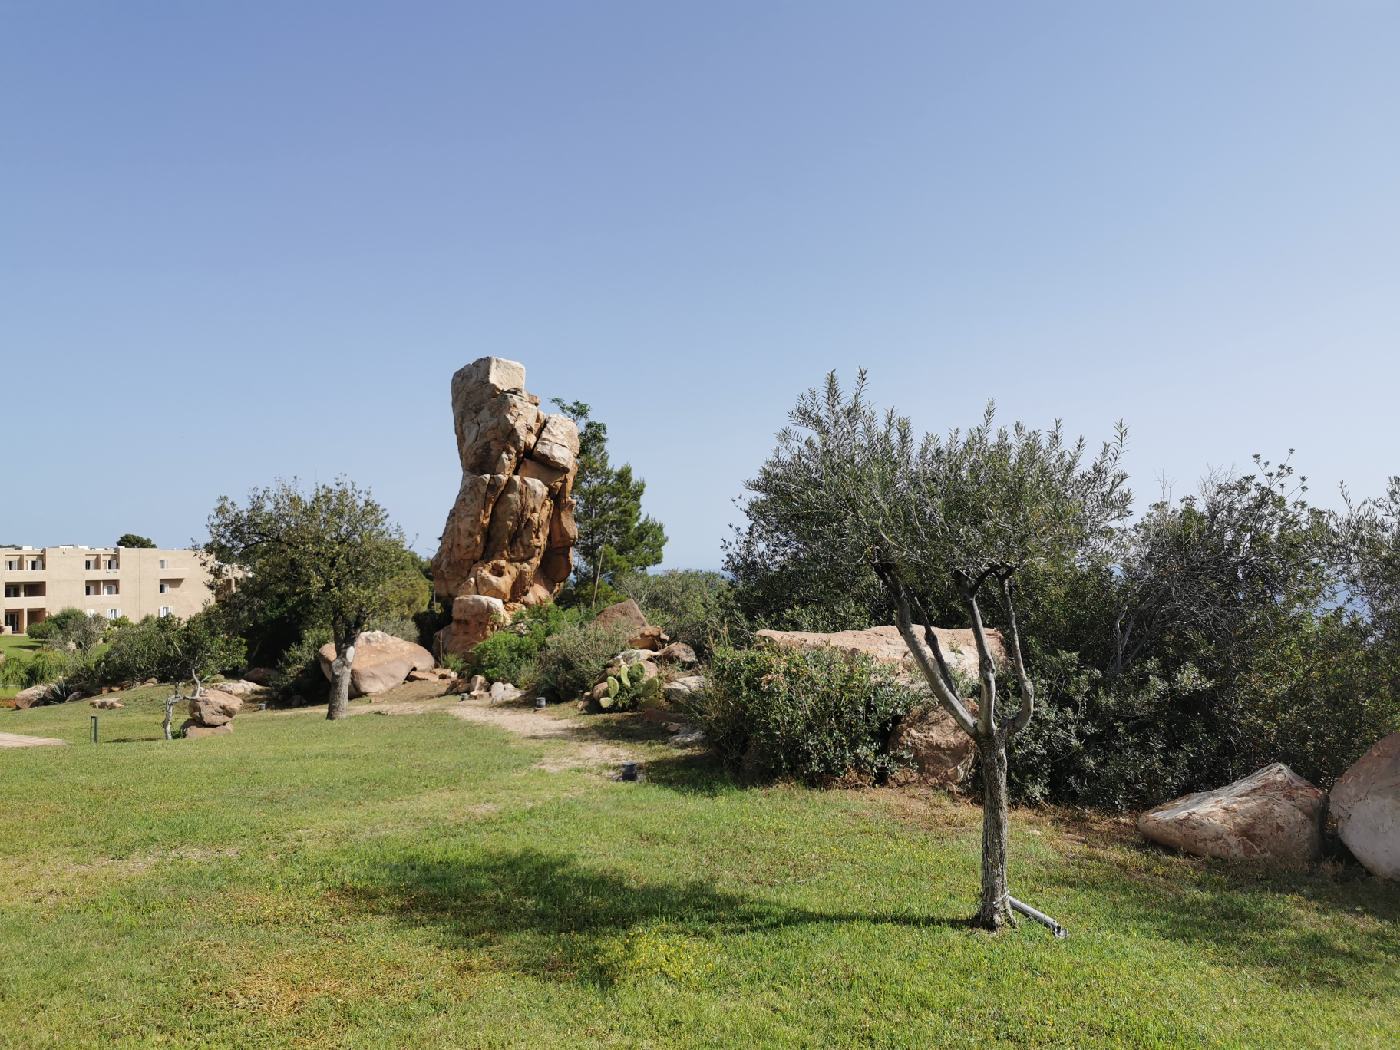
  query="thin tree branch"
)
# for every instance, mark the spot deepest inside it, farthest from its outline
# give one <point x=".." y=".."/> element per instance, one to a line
<point x="930" y="667"/>
<point x="1023" y="681"/>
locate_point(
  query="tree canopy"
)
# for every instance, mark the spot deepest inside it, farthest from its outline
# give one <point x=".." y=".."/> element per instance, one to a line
<point x="328" y="558"/>
<point x="614" y="536"/>
<point x="132" y="540"/>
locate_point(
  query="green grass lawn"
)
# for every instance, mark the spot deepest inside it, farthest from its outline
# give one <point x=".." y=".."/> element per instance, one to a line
<point x="417" y="881"/>
<point x="11" y="644"/>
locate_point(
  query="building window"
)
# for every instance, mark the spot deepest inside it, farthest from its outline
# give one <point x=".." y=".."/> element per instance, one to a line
<point x="109" y="588"/>
<point x="164" y="586"/>
<point x="165" y="563"/>
<point x="113" y="614"/>
<point x="87" y="564"/>
<point x="12" y="590"/>
<point x="111" y="563"/>
<point x="164" y="611"/>
<point x="35" y="564"/>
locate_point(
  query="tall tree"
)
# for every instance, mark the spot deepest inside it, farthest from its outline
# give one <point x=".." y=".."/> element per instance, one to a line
<point x="614" y="536"/>
<point x="967" y="517"/>
<point x="324" y="558"/>
<point x="132" y="540"/>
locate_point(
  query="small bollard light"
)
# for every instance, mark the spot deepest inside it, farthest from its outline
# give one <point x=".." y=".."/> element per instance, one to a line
<point x="94" y="729"/>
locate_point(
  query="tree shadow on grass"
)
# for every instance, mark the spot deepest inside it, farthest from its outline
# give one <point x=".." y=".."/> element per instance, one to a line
<point x="1289" y="926"/>
<point x="547" y="915"/>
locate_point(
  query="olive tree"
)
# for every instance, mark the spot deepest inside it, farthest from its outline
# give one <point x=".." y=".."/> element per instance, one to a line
<point x="951" y="522"/>
<point x="325" y="558"/>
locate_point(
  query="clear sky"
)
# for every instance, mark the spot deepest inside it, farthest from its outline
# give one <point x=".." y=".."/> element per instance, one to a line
<point x="242" y="241"/>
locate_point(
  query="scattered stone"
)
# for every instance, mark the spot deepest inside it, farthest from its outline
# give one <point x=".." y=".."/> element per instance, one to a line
<point x="477" y="684"/>
<point x="381" y="662"/>
<point x="106" y="705"/>
<point x="677" y="653"/>
<point x="1272" y="815"/>
<point x="683" y="689"/>
<point x="265" y="676"/>
<point x="650" y="638"/>
<point x="1366" y="803"/>
<point x="423" y="676"/>
<point x="509" y="537"/>
<point x="504" y="692"/>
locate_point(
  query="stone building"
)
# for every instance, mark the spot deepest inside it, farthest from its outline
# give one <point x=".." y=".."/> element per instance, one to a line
<point x="37" y="582"/>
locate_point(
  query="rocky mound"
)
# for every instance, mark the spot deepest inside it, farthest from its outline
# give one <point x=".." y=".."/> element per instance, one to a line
<point x="509" y="537"/>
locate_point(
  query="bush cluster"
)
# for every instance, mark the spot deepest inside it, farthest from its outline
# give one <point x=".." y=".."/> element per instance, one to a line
<point x="512" y="653"/>
<point x="574" y="658"/>
<point x="817" y="715"/>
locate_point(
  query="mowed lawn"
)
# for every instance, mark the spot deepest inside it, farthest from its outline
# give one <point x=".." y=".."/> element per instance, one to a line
<point x="10" y="644"/>
<point x="419" y="881"/>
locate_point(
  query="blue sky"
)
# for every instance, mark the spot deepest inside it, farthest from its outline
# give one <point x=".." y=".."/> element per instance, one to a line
<point x="242" y="241"/>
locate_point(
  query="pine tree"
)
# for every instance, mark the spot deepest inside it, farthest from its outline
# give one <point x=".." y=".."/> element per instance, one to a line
<point x="614" y="536"/>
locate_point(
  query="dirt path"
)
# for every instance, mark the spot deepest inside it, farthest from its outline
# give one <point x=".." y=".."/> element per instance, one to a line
<point x="15" y="740"/>
<point x="582" y="750"/>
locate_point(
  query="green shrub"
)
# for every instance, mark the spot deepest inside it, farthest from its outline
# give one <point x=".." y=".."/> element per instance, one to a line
<point x="575" y="657"/>
<point x="43" y="667"/>
<point x="70" y="629"/>
<point x="299" y="675"/>
<point x="511" y="654"/>
<point x="817" y="715"/>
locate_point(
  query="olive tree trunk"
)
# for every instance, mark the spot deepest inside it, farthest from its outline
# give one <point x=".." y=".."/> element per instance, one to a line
<point x="995" y="909"/>
<point x="340" y="676"/>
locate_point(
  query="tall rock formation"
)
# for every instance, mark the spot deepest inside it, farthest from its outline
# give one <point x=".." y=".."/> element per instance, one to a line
<point x="510" y="535"/>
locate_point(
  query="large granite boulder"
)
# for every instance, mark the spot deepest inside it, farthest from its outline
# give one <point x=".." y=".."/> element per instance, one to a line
<point x="510" y="533"/>
<point x="214" y="707"/>
<point x="942" y="753"/>
<point x="886" y="646"/>
<point x="36" y="696"/>
<point x="1272" y="815"/>
<point x="381" y="662"/>
<point x="1366" y="803"/>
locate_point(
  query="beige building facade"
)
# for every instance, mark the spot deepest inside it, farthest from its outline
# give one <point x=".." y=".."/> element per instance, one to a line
<point x="37" y="582"/>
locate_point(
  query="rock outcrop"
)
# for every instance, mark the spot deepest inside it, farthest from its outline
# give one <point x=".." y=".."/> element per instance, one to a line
<point x="1272" y="815"/>
<point x="381" y="662"/>
<point x="884" y="645"/>
<point x="942" y="753"/>
<point x="1366" y="803"/>
<point x="510" y="534"/>
<point x="211" y="712"/>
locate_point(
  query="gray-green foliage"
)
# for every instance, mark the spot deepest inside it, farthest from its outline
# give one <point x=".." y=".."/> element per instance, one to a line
<point x="71" y="630"/>
<point x="574" y="659"/>
<point x="815" y="715"/>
